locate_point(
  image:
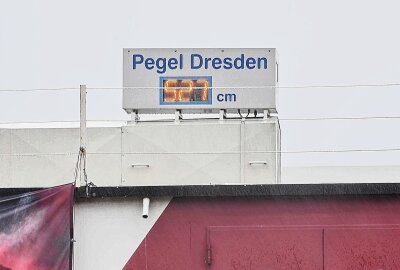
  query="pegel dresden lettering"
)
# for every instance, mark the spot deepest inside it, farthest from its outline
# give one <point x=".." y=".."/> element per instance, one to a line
<point x="197" y="62"/>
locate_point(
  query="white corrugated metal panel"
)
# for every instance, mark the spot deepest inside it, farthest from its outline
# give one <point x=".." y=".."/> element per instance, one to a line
<point x="180" y="169"/>
<point x="5" y="160"/>
<point x="104" y="158"/>
<point x="39" y="157"/>
<point x="185" y="137"/>
<point x="47" y="157"/>
<point x="41" y="170"/>
<point x="162" y="153"/>
<point x="200" y="152"/>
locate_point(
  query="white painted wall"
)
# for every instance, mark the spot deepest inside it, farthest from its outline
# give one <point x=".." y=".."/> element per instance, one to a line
<point x="108" y="231"/>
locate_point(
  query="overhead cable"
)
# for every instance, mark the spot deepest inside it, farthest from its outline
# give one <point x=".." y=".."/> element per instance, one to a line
<point x="218" y="87"/>
<point x="315" y="151"/>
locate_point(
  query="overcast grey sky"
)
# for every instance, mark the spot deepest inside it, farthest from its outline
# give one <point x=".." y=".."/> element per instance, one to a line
<point x="45" y="44"/>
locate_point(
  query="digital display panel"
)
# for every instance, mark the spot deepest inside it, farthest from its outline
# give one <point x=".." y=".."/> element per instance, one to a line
<point x="185" y="90"/>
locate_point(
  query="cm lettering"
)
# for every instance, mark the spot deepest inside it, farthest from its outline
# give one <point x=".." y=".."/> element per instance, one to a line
<point x="226" y="97"/>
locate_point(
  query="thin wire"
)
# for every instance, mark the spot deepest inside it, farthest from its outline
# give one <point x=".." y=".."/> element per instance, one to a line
<point x="271" y="152"/>
<point x="340" y="118"/>
<point x="61" y="121"/>
<point x="217" y="87"/>
<point x="40" y="154"/>
<point x="257" y="87"/>
<point x="335" y="151"/>
<point x="280" y="119"/>
<point x="40" y="89"/>
<point x="341" y="86"/>
<point x="282" y="152"/>
<point x="80" y="166"/>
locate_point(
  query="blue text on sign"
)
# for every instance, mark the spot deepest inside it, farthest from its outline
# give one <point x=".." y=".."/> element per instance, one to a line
<point x="197" y="61"/>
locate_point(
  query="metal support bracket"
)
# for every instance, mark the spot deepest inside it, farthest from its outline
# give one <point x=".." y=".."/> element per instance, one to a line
<point x="222" y="115"/>
<point x="135" y="116"/>
<point x="267" y="114"/>
<point x="178" y="116"/>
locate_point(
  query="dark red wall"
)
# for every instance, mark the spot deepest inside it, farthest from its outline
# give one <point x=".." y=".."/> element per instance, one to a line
<point x="330" y="233"/>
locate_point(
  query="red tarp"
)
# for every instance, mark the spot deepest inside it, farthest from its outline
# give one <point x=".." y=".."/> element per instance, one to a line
<point x="36" y="230"/>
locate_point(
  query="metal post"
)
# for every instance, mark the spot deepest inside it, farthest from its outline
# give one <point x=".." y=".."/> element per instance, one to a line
<point x="222" y="115"/>
<point x="83" y="116"/>
<point x="242" y="149"/>
<point x="83" y="134"/>
<point x="266" y="114"/>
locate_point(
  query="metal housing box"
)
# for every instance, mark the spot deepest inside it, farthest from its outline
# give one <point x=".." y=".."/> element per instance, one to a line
<point x="201" y="153"/>
<point x="235" y="79"/>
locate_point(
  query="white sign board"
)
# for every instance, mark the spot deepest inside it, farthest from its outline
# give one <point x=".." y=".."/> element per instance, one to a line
<point x="199" y="80"/>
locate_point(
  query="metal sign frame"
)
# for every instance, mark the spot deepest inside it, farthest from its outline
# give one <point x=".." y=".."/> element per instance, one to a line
<point x="240" y="79"/>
